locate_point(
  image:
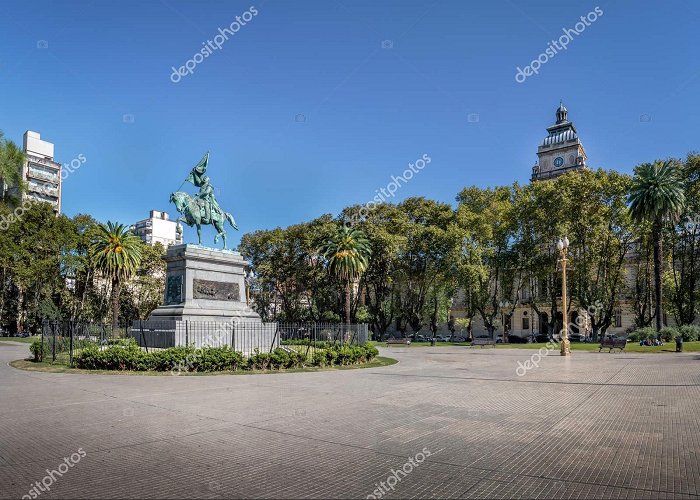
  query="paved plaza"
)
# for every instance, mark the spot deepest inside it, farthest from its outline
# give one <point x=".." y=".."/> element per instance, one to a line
<point x="620" y="425"/>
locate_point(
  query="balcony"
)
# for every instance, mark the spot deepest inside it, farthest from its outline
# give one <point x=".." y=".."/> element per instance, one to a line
<point x="37" y="174"/>
<point x="43" y="161"/>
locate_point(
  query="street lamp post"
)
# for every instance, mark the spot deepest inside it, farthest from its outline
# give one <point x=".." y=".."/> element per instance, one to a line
<point x="563" y="247"/>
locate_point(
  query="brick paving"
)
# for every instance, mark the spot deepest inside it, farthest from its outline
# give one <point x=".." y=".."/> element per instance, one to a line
<point x="592" y="426"/>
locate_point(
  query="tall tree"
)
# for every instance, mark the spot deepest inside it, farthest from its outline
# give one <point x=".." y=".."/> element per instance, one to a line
<point x="33" y="252"/>
<point x="683" y="278"/>
<point x="600" y="226"/>
<point x="386" y="227"/>
<point x="11" y="161"/>
<point x="290" y="283"/>
<point x="657" y="196"/>
<point x="145" y="289"/>
<point x="347" y="254"/>
<point x="540" y="213"/>
<point x="488" y="269"/>
<point x="426" y="260"/>
<point x="116" y="254"/>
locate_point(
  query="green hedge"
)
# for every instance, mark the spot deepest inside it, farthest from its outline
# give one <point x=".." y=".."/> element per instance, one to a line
<point x="689" y="333"/>
<point x="131" y="357"/>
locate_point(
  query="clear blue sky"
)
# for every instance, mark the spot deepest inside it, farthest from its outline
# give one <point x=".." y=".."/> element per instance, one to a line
<point x="367" y="111"/>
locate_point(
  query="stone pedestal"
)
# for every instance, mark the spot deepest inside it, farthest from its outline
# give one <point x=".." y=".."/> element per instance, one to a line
<point x="204" y="284"/>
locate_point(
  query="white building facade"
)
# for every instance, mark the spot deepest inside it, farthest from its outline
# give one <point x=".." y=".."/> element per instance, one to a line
<point x="40" y="171"/>
<point x="158" y="228"/>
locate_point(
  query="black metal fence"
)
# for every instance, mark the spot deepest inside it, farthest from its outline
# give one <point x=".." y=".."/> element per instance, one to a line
<point x="243" y="335"/>
<point x="335" y="333"/>
<point x="60" y="340"/>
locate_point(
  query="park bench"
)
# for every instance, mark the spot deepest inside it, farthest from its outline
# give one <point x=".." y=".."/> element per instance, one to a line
<point x="398" y="341"/>
<point x="612" y="344"/>
<point x="482" y="342"/>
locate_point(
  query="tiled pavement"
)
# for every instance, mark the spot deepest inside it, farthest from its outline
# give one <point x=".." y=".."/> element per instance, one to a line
<point x="592" y="426"/>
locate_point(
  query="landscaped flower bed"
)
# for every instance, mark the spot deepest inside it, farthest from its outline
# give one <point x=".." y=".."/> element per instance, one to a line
<point x="128" y="356"/>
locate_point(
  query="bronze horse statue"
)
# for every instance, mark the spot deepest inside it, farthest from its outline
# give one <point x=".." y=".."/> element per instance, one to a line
<point x="193" y="210"/>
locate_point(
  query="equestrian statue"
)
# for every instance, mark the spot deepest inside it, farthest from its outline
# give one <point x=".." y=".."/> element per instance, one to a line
<point x="202" y="208"/>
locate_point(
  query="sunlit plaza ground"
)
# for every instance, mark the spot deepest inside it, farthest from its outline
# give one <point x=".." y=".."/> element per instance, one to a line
<point x="596" y="425"/>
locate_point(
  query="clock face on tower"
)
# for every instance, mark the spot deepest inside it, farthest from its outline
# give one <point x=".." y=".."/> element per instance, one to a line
<point x="558" y="161"/>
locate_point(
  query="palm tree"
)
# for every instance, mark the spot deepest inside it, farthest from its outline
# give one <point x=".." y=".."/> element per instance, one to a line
<point x="11" y="161"/>
<point x="116" y="254"/>
<point x="657" y="196"/>
<point x="348" y="253"/>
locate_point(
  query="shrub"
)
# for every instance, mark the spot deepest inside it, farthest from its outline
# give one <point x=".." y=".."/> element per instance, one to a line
<point x="689" y="333"/>
<point x="129" y="356"/>
<point x="259" y="360"/>
<point x="214" y="359"/>
<point x="668" y="333"/>
<point x="38" y="349"/>
<point x="318" y="358"/>
<point x="172" y="358"/>
<point x="344" y="355"/>
<point x="643" y="334"/>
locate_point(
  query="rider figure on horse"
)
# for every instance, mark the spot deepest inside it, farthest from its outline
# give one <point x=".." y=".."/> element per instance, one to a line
<point x="206" y="195"/>
<point x="206" y="198"/>
<point x="202" y="209"/>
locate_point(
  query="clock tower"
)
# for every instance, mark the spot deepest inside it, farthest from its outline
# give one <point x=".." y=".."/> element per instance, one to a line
<point x="561" y="151"/>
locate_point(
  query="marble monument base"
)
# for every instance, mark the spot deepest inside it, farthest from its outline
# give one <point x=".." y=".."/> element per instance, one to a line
<point x="204" y="284"/>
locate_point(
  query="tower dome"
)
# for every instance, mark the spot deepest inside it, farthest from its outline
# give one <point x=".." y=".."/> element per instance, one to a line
<point x="561" y="113"/>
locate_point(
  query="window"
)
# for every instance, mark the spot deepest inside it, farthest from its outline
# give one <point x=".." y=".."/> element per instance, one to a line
<point x="618" y="318"/>
<point x="526" y="323"/>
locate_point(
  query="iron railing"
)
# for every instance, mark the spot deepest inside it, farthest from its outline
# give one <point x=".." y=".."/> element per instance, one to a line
<point x="60" y="340"/>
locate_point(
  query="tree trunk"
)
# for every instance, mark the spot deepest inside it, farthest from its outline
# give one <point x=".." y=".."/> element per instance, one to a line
<point x="347" y="302"/>
<point x="433" y="320"/>
<point x="115" y="305"/>
<point x="491" y="330"/>
<point x="20" y="309"/>
<point x="658" y="259"/>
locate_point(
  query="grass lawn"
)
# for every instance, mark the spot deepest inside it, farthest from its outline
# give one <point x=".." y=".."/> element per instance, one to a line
<point x="575" y="346"/>
<point x="26" y="340"/>
<point x="26" y="364"/>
